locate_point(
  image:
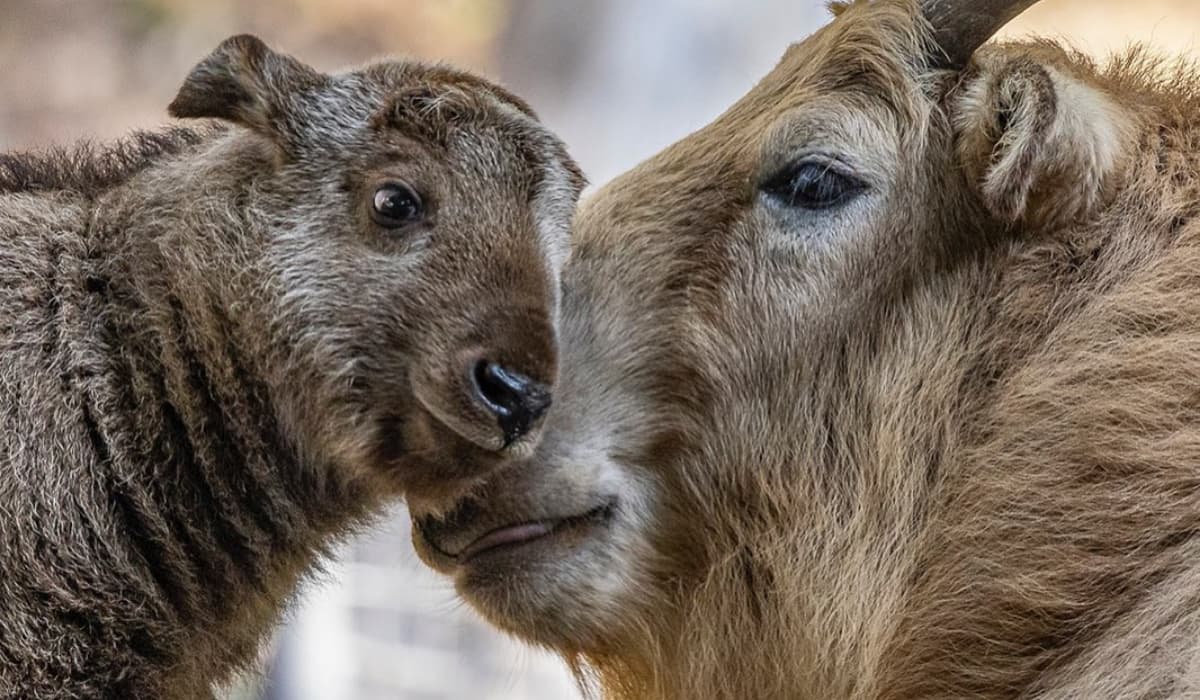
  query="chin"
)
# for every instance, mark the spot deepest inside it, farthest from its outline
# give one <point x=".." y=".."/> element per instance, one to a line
<point x="554" y="581"/>
<point x="565" y="601"/>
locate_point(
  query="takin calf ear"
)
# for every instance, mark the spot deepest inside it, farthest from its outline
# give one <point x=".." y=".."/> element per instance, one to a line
<point x="245" y="82"/>
<point x="1041" y="144"/>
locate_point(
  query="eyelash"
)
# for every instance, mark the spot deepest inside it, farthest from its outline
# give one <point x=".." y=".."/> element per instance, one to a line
<point x="813" y="185"/>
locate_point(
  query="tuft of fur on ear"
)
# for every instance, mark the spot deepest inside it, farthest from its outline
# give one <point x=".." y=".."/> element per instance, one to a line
<point x="1040" y="143"/>
<point x="245" y="82"/>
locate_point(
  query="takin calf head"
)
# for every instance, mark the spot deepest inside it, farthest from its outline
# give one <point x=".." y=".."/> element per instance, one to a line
<point x="882" y="385"/>
<point x="415" y="222"/>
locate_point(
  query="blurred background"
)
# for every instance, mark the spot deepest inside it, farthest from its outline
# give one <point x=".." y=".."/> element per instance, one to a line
<point x="619" y="79"/>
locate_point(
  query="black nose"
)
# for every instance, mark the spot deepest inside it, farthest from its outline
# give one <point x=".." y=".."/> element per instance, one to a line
<point x="516" y="400"/>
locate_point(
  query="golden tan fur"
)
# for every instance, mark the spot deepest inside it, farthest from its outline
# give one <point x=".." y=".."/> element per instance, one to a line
<point x="941" y="442"/>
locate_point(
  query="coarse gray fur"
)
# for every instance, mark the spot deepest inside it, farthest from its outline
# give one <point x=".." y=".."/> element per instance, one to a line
<point x="209" y="353"/>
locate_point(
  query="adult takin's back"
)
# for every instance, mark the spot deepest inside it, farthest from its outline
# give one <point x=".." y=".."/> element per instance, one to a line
<point x="223" y="347"/>
<point x="883" y="385"/>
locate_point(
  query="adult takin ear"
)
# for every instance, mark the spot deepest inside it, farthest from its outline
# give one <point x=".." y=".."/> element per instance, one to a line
<point x="245" y="82"/>
<point x="1042" y="144"/>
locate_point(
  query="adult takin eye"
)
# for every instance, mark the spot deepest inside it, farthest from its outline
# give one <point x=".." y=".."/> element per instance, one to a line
<point x="395" y="205"/>
<point x="813" y="185"/>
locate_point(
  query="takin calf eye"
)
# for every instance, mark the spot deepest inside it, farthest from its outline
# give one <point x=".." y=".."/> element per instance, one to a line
<point x="395" y="205"/>
<point x="813" y="185"/>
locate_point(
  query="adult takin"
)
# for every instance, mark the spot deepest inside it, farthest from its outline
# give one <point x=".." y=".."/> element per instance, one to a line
<point x="222" y="348"/>
<point x="885" y="384"/>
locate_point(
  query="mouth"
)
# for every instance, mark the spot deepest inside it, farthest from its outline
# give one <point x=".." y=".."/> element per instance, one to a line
<point x="513" y="536"/>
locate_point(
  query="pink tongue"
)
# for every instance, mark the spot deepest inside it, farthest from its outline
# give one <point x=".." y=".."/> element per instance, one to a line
<point x="507" y="535"/>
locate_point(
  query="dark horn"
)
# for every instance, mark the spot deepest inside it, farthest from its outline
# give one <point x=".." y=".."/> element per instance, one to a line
<point x="961" y="26"/>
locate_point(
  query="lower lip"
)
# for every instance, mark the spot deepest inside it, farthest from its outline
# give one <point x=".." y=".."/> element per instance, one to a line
<point x="514" y="537"/>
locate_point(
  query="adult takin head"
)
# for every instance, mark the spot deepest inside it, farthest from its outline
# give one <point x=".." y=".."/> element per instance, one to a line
<point x="221" y="348"/>
<point x="882" y="385"/>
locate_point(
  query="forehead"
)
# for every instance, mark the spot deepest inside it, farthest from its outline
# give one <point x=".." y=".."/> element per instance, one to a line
<point x="868" y="59"/>
<point x="859" y="72"/>
<point x="434" y="106"/>
<point x="443" y="113"/>
<point x="441" y="93"/>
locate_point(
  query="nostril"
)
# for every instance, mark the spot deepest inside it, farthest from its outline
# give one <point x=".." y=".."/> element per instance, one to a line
<point x="515" y="399"/>
<point x="496" y="387"/>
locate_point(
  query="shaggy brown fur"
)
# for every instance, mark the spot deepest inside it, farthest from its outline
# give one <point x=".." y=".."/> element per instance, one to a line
<point x="940" y="439"/>
<point x="89" y="169"/>
<point x="214" y="361"/>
